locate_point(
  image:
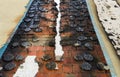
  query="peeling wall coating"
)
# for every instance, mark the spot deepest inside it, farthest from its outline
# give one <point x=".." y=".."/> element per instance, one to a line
<point x="58" y="50"/>
<point x="109" y="15"/>
<point x="118" y="1"/>
<point x="27" y="69"/>
<point x="106" y="46"/>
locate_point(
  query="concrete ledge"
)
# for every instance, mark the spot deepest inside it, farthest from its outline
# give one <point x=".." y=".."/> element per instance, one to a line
<point x="8" y="38"/>
<point x="109" y="52"/>
<point x="11" y="11"/>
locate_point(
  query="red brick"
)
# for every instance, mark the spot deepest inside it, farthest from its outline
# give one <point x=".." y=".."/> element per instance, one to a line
<point x="86" y="74"/>
<point x="49" y="48"/>
<point x="60" y="69"/>
<point x="67" y="53"/>
<point x="39" y="54"/>
<point x="32" y="53"/>
<point x="74" y="53"/>
<point x="67" y="48"/>
<point x="101" y="75"/>
<point x="67" y="68"/>
<point x="76" y="68"/>
<point x="68" y="60"/>
<point x="43" y="69"/>
<point x="56" y="75"/>
<point x="78" y="75"/>
<point x="39" y="74"/>
<point x="36" y="48"/>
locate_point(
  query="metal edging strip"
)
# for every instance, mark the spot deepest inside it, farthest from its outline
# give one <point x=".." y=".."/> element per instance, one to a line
<point x="112" y="70"/>
<point x="3" y="48"/>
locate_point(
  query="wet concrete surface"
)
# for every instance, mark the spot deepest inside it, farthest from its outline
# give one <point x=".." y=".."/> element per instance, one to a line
<point x="69" y="67"/>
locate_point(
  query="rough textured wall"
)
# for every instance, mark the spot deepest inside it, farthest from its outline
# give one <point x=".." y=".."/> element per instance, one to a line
<point x="109" y="16"/>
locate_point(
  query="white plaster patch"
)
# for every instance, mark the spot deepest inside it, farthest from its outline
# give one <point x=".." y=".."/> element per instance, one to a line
<point x="58" y="48"/>
<point x="109" y="15"/>
<point x="27" y="69"/>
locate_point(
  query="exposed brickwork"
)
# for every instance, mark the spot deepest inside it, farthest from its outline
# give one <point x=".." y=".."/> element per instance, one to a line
<point x="69" y="67"/>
